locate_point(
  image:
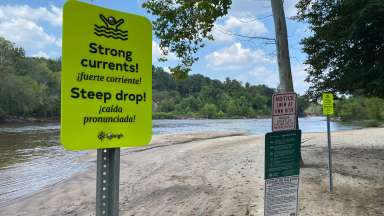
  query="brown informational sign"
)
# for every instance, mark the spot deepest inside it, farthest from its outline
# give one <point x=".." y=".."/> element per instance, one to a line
<point x="284" y="111"/>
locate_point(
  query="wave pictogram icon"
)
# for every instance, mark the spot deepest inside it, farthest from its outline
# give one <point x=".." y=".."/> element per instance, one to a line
<point x="111" y="28"/>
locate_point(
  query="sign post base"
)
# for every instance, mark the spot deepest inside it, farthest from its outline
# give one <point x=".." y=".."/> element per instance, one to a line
<point x="107" y="182"/>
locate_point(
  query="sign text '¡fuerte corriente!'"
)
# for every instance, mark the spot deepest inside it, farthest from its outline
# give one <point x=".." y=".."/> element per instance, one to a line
<point x="99" y="64"/>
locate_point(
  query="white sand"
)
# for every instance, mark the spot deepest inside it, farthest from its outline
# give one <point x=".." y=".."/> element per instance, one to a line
<point x="222" y="174"/>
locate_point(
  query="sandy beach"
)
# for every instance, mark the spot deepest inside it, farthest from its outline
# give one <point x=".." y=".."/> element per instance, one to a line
<point x="223" y="174"/>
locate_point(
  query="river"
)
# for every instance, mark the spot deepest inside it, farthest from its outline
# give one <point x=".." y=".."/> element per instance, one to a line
<point x="31" y="157"/>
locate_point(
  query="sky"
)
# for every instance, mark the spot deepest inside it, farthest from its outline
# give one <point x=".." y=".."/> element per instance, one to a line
<point x="36" y="26"/>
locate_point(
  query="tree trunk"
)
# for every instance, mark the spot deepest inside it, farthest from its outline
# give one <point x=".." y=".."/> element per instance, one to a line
<point x="285" y="75"/>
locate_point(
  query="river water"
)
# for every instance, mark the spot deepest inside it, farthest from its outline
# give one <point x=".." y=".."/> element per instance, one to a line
<point x="31" y="157"/>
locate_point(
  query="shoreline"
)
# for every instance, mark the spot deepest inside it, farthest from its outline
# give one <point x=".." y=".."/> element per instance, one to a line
<point x="56" y="119"/>
<point x="28" y="120"/>
<point x="16" y="120"/>
<point x="214" y="169"/>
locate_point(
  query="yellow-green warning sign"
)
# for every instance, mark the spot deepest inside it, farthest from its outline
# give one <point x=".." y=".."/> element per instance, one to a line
<point x="327" y="103"/>
<point x="106" y="89"/>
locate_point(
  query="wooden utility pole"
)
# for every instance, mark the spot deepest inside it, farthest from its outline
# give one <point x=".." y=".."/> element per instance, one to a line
<point x="285" y="75"/>
<point x="283" y="61"/>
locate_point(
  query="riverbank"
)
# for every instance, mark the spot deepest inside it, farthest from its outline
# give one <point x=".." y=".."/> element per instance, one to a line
<point x="28" y="120"/>
<point x="222" y="174"/>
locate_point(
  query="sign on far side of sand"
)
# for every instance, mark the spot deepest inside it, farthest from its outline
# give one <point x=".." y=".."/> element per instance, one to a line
<point x="284" y="111"/>
<point x="328" y="110"/>
<point x="282" y="167"/>
<point x="327" y="103"/>
<point x="106" y="87"/>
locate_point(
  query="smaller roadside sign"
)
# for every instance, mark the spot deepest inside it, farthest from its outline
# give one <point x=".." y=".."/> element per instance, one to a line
<point x="284" y="112"/>
<point x="328" y="103"/>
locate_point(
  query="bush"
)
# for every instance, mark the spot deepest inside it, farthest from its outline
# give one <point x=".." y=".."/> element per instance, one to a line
<point x="209" y="111"/>
<point x="163" y="115"/>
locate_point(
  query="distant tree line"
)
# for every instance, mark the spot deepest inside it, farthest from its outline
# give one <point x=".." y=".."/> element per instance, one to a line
<point x="202" y="97"/>
<point x="30" y="87"/>
<point x="366" y="111"/>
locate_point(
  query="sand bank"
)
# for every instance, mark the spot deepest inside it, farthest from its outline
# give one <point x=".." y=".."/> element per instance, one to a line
<point x="222" y="174"/>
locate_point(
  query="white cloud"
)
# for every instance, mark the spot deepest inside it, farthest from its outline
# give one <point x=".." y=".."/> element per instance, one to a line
<point x="250" y="26"/>
<point x="21" y="25"/>
<point x="156" y="53"/>
<point x="52" y="15"/>
<point x="167" y="70"/>
<point x="270" y="77"/>
<point x="299" y="74"/>
<point x="263" y="75"/>
<point x="41" y="54"/>
<point x="259" y="71"/>
<point x="233" y="25"/>
<point x="289" y="8"/>
<point x="26" y="34"/>
<point x="220" y="35"/>
<point x="59" y="42"/>
<point x="235" y="56"/>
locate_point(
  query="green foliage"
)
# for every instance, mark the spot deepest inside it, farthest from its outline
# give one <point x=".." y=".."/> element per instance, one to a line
<point x="302" y="103"/>
<point x="313" y="109"/>
<point x="199" y="96"/>
<point x="28" y="86"/>
<point x="346" y="50"/>
<point x="163" y="115"/>
<point x="366" y="110"/>
<point x="183" y="25"/>
<point x="209" y="111"/>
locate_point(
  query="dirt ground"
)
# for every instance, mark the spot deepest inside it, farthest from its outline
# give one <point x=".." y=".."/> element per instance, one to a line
<point x="223" y="174"/>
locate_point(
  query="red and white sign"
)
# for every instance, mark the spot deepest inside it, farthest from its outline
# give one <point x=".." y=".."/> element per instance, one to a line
<point x="284" y="122"/>
<point x="284" y="111"/>
<point x="284" y="104"/>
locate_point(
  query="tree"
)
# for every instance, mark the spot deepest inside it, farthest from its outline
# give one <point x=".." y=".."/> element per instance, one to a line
<point x="183" y="25"/>
<point x="28" y="86"/>
<point x="209" y="111"/>
<point x="346" y="50"/>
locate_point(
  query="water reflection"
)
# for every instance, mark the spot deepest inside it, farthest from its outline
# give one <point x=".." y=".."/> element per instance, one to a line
<point x="31" y="160"/>
<point x="253" y="126"/>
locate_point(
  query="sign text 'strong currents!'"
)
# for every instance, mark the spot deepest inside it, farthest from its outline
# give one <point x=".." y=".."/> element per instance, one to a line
<point x="106" y="87"/>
